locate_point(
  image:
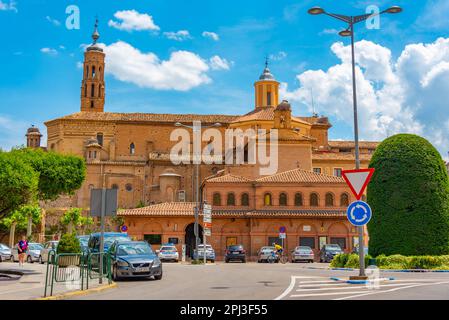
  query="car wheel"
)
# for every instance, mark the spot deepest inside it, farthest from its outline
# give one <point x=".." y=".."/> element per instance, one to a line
<point x="29" y="259"/>
<point x="244" y="261"/>
<point x="114" y="274"/>
<point x="159" y="277"/>
<point x="12" y="259"/>
<point x="1" y="260"/>
<point x="40" y="260"/>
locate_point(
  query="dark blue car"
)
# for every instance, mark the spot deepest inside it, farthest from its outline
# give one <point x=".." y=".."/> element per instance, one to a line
<point x="109" y="239"/>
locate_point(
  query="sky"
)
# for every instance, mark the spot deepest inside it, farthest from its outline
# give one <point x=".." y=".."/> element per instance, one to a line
<point x="203" y="56"/>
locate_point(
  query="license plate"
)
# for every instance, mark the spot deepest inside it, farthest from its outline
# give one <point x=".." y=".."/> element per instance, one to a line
<point x="235" y="252"/>
<point x="143" y="269"/>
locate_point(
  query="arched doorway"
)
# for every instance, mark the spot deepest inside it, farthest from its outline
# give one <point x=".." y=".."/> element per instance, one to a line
<point x="190" y="238"/>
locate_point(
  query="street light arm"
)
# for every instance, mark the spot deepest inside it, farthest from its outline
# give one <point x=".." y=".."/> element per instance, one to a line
<point x="341" y="17"/>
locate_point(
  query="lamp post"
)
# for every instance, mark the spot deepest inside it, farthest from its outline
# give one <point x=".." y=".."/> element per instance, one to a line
<point x="351" y="21"/>
<point x="196" y="128"/>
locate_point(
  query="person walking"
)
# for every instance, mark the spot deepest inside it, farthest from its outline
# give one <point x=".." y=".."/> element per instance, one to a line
<point x="22" y="248"/>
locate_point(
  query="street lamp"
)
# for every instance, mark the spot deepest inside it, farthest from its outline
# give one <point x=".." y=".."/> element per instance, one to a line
<point x="351" y="21"/>
<point x="196" y="128"/>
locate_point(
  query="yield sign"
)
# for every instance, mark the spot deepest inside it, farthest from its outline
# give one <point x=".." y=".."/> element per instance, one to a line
<point x="358" y="180"/>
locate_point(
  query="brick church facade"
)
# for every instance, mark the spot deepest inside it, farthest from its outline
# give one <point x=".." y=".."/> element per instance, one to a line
<point x="131" y="152"/>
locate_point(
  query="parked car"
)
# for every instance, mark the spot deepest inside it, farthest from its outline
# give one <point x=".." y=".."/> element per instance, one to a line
<point x="33" y="252"/>
<point x="210" y="253"/>
<point x="5" y="252"/>
<point x="329" y="251"/>
<point x="109" y="239"/>
<point x="84" y="241"/>
<point x="266" y="253"/>
<point x="48" y="246"/>
<point x="235" y="252"/>
<point x="134" y="259"/>
<point x="168" y="252"/>
<point x="302" y="253"/>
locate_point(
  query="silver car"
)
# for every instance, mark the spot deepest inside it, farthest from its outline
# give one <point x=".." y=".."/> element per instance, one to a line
<point x="5" y="252"/>
<point x="303" y="253"/>
<point x="48" y="246"/>
<point x="168" y="253"/>
<point x="33" y="252"/>
<point x="265" y="253"/>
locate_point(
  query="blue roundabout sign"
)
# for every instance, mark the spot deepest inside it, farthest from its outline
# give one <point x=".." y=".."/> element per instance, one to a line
<point x="359" y="213"/>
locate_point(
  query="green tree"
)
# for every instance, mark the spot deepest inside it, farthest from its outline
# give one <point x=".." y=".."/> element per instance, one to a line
<point x="409" y="195"/>
<point x="58" y="174"/>
<point x="72" y="218"/>
<point x="33" y="215"/>
<point x="18" y="183"/>
<point x="13" y="222"/>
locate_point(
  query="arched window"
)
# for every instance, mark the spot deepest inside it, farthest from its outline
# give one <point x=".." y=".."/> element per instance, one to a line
<point x="298" y="199"/>
<point x="313" y="200"/>
<point x="245" y="199"/>
<point x="93" y="72"/>
<point x="132" y="148"/>
<point x="329" y="199"/>
<point x="283" y="199"/>
<point x="99" y="91"/>
<point x="344" y="200"/>
<point x="91" y="104"/>
<point x="267" y="199"/>
<point x="100" y="138"/>
<point x="216" y="199"/>
<point x="85" y="90"/>
<point x="92" y="90"/>
<point x="230" y="201"/>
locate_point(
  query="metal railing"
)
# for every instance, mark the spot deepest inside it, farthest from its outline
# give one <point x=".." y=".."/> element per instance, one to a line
<point x="76" y="269"/>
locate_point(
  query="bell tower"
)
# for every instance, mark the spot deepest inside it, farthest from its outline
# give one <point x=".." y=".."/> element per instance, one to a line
<point x="266" y="89"/>
<point x="92" y="86"/>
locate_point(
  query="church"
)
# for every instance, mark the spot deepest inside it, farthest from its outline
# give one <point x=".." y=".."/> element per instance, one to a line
<point x="131" y="152"/>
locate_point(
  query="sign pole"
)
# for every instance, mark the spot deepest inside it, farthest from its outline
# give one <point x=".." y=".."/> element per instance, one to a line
<point x="103" y="210"/>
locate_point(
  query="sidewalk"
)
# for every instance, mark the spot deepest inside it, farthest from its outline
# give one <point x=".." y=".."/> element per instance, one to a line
<point x="31" y="284"/>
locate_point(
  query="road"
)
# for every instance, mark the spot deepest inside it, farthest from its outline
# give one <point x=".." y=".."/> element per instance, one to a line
<point x="252" y="281"/>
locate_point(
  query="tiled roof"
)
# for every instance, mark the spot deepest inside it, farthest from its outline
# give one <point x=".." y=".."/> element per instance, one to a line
<point x="350" y="144"/>
<point x="148" y="117"/>
<point x="186" y="209"/>
<point x="228" y="178"/>
<point x="162" y="209"/>
<point x="263" y="113"/>
<point x="340" y="156"/>
<point x="300" y="176"/>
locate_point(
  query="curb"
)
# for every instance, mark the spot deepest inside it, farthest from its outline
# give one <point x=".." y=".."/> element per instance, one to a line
<point x="79" y="292"/>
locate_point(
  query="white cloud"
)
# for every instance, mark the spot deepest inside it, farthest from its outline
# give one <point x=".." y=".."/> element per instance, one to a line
<point x="12" y="132"/>
<point x="278" y="56"/>
<point x="49" y="51"/>
<point x="329" y="31"/>
<point x="8" y="6"/>
<point x="211" y="35"/>
<point x="404" y="95"/>
<point x="180" y="35"/>
<point x="183" y="71"/>
<point x="434" y="15"/>
<point x="79" y="65"/>
<point x="131" y="20"/>
<point x="217" y="63"/>
<point x="53" y="21"/>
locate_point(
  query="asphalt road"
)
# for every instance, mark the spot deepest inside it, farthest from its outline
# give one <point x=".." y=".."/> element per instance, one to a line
<point x="252" y="281"/>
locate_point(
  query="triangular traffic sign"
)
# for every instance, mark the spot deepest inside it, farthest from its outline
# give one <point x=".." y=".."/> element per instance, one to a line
<point x="358" y="180"/>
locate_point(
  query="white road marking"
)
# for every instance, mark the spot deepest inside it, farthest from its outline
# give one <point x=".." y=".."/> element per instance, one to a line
<point x="395" y="289"/>
<point x="354" y="287"/>
<point x="292" y="285"/>
<point x="324" y="294"/>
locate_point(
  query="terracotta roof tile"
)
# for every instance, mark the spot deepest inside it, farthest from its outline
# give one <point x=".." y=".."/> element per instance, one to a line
<point x="148" y="117"/>
<point x="228" y="178"/>
<point x="186" y="209"/>
<point x="350" y="144"/>
<point x="263" y="113"/>
<point x="300" y="176"/>
<point x="340" y="156"/>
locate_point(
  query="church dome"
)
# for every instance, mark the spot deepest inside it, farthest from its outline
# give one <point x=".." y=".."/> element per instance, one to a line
<point x="284" y="106"/>
<point x="266" y="75"/>
<point x="33" y="130"/>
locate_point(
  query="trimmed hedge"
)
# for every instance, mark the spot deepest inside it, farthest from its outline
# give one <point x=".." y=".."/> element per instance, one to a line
<point x="393" y="262"/>
<point x="409" y="195"/>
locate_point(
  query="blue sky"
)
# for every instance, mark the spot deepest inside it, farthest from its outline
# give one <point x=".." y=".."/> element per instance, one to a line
<point x="403" y="68"/>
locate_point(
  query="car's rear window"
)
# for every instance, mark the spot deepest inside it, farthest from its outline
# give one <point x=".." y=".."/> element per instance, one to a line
<point x="235" y="247"/>
<point x="168" y="249"/>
